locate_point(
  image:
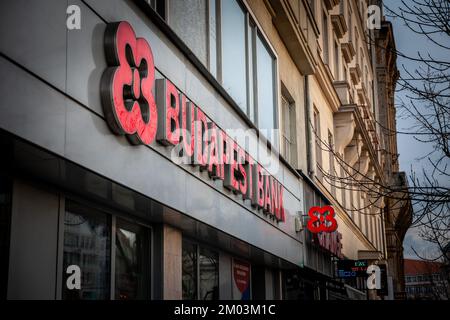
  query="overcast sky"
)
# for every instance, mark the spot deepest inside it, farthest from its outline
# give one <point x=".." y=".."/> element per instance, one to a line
<point x="411" y="150"/>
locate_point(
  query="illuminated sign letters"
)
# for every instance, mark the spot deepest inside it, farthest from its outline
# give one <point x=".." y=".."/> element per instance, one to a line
<point x="167" y="116"/>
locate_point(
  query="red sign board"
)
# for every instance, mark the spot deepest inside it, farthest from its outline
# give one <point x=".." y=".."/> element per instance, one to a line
<point x="131" y="109"/>
<point x="241" y="276"/>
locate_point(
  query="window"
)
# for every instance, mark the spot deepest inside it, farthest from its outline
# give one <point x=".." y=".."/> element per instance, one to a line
<point x="189" y="269"/>
<point x="336" y="60"/>
<point x="361" y="56"/>
<point x="223" y="36"/>
<point x="352" y="205"/>
<point x="349" y="19"/>
<point x="325" y="37"/>
<point x="5" y="222"/>
<point x="265" y="71"/>
<point x="288" y="131"/>
<point x="331" y="169"/>
<point x="194" y="32"/>
<point x="343" y="186"/>
<point x="318" y="150"/>
<point x="159" y="6"/>
<point x="90" y="244"/>
<point x="366" y="217"/>
<point x="366" y="75"/>
<point x="87" y="242"/>
<point x="200" y="272"/>
<point x="234" y="72"/>
<point x="132" y="257"/>
<point x="209" y="274"/>
<point x="312" y="5"/>
<point x="248" y="67"/>
<point x="372" y="227"/>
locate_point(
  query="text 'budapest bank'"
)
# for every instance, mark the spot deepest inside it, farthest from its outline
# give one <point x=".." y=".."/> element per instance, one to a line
<point x="132" y="110"/>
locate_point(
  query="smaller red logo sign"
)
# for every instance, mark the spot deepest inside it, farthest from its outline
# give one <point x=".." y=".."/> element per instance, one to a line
<point x="321" y="219"/>
<point x="241" y="275"/>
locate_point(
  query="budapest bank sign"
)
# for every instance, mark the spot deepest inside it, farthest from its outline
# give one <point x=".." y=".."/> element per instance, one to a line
<point x="131" y="109"/>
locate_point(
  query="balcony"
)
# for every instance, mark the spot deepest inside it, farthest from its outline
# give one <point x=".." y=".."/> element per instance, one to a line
<point x="355" y="73"/>
<point x="339" y="25"/>
<point x="329" y="4"/>
<point x="348" y="51"/>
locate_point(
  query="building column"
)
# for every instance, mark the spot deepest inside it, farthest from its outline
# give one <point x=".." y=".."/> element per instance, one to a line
<point x="172" y="260"/>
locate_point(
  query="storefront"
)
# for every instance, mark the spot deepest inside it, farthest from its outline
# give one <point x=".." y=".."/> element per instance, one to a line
<point x="92" y="204"/>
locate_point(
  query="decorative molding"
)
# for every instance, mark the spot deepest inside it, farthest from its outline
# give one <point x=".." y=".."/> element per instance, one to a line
<point x="339" y="25"/>
<point x="344" y="129"/>
<point x="348" y="51"/>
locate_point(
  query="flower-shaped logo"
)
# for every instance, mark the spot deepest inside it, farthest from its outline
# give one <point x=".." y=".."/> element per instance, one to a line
<point x="321" y="219"/>
<point x="126" y="85"/>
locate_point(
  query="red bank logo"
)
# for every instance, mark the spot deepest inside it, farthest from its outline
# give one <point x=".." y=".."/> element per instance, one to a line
<point x="127" y="85"/>
<point x="131" y="109"/>
<point x="321" y="219"/>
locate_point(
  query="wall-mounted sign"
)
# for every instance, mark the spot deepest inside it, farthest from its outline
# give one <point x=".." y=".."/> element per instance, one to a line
<point x="377" y="278"/>
<point x="169" y="117"/>
<point x="351" y="268"/>
<point x="321" y="219"/>
<point x="331" y="242"/>
<point x="241" y="280"/>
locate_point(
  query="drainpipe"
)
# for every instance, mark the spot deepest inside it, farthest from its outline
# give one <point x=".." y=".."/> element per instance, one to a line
<point x="310" y="156"/>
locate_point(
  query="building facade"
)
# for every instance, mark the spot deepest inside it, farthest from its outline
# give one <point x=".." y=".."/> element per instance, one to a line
<point x="425" y="280"/>
<point x="170" y="149"/>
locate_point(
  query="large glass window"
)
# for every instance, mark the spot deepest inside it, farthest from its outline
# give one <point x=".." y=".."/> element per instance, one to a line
<point x="200" y="272"/>
<point x="248" y="67"/>
<point x="87" y="242"/>
<point x="265" y="87"/>
<point x="193" y="31"/>
<point x="234" y="73"/>
<point x="224" y="37"/>
<point x="132" y="261"/>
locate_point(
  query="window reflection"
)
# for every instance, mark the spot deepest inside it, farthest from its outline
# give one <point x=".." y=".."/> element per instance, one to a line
<point x="233" y="52"/>
<point x="189" y="266"/>
<point x="200" y="273"/>
<point x="87" y="242"/>
<point x="266" y="85"/>
<point x="209" y="275"/>
<point x="132" y="270"/>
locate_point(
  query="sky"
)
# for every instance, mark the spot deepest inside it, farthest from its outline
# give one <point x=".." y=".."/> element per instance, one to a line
<point x="411" y="150"/>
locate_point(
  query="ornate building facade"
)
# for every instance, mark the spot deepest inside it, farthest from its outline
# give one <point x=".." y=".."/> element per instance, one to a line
<point x="89" y="183"/>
